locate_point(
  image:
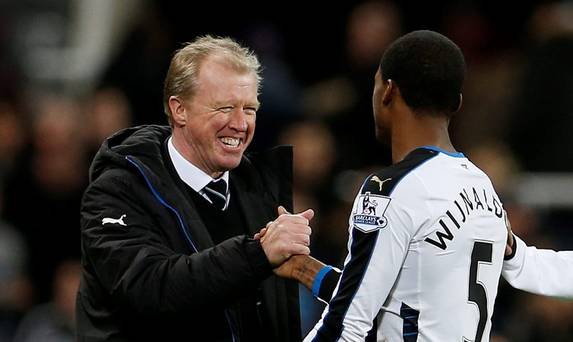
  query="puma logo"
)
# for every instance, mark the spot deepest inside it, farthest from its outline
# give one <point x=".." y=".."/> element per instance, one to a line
<point x="114" y="221"/>
<point x="380" y="182"/>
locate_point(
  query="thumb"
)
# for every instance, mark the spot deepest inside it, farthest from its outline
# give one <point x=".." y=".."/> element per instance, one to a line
<point x="281" y="210"/>
<point x="307" y="214"/>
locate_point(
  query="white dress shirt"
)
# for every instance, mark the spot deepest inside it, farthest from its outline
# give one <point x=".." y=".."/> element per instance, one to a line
<point x="193" y="176"/>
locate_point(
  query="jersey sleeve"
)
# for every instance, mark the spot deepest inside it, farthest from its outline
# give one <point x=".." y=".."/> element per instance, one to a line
<point x="540" y="271"/>
<point x="381" y="227"/>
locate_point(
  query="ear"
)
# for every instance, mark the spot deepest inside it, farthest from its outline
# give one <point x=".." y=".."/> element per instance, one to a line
<point x="178" y="113"/>
<point x="460" y="104"/>
<point x="388" y="92"/>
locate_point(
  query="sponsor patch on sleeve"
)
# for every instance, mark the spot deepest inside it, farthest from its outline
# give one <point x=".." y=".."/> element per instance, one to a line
<point x="368" y="213"/>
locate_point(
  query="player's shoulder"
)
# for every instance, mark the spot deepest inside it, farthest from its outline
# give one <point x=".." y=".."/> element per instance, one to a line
<point x="385" y="181"/>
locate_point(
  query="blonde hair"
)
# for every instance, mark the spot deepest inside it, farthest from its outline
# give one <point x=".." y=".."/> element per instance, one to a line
<point x="183" y="73"/>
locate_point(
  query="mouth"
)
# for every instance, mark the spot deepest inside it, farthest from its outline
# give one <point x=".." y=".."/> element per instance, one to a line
<point x="231" y="142"/>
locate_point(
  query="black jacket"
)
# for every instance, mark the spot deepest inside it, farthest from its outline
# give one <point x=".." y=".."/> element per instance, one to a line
<point x="157" y="275"/>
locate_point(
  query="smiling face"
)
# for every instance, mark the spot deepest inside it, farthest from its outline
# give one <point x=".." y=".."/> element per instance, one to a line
<point x="213" y="128"/>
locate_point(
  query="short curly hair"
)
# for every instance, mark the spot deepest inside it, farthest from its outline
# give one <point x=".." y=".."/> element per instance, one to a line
<point x="429" y="70"/>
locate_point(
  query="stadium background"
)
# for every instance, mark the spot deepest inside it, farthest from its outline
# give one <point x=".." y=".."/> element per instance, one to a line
<point x="73" y="71"/>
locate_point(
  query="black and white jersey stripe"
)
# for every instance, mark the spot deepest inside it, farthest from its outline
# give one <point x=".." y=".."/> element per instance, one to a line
<point x="390" y="266"/>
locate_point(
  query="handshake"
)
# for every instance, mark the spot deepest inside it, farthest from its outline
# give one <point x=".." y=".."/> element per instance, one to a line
<point x="286" y="243"/>
<point x="286" y="236"/>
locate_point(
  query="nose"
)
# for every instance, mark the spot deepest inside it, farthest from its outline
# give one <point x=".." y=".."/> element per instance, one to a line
<point x="238" y="120"/>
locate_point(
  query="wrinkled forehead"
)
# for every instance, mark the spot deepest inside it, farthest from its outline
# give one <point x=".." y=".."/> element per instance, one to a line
<point x="220" y="83"/>
<point x="231" y="64"/>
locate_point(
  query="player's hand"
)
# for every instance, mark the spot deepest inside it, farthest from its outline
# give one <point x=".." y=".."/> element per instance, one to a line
<point x="510" y="239"/>
<point x="287" y="268"/>
<point x="293" y="267"/>
<point x="288" y="235"/>
<point x="302" y="268"/>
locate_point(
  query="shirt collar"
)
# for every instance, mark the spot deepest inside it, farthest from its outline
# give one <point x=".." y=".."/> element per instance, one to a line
<point x="189" y="173"/>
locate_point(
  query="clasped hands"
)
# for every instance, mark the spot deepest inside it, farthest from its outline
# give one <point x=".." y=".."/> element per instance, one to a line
<point x="287" y="235"/>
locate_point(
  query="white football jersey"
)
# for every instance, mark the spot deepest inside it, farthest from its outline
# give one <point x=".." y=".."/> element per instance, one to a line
<point x="540" y="271"/>
<point x="425" y="252"/>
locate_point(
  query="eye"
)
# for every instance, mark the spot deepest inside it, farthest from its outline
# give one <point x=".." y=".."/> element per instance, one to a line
<point x="251" y="110"/>
<point x="226" y="109"/>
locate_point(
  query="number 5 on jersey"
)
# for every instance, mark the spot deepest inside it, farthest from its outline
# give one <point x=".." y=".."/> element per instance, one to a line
<point x="481" y="254"/>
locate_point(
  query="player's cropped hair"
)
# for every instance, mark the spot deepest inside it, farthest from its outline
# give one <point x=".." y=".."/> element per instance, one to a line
<point x="429" y="70"/>
<point x="183" y="73"/>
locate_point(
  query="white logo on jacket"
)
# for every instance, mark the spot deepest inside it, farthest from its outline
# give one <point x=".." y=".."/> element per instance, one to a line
<point x="114" y="221"/>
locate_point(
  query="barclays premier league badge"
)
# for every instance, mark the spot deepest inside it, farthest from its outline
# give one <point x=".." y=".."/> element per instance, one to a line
<point x="369" y="212"/>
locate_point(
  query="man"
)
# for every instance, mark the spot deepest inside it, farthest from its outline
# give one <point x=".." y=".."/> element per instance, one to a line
<point x="425" y="265"/>
<point x="525" y="267"/>
<point x="167" y="217"/>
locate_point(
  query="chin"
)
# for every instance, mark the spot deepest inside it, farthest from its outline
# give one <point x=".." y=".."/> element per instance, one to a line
<point x="229" y="163"/>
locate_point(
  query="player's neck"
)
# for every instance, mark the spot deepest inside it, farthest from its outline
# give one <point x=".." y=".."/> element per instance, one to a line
<point x="417" y="131"/>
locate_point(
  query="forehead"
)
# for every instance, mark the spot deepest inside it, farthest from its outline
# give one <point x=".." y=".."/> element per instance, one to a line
<point x="219" y="66"/>
<point x="220" y="74"/>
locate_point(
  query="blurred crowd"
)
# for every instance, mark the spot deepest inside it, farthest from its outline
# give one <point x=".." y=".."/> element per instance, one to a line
<point x="317" y="87"/>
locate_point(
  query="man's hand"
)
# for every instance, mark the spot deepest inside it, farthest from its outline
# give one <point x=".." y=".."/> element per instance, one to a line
<point x="288" y="235"/>
<point x="302" y="268"/>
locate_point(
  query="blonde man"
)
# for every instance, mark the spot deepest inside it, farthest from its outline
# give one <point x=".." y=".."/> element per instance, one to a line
<point x="168" y="217"/>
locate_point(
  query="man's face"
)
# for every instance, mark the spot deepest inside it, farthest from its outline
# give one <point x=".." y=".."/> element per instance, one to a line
<point x="381" y="121"/>
<point x="220" y="117"/>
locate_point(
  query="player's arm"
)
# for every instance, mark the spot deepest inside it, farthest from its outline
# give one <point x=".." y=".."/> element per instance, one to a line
<point x="540" y="271"/>
<point x="380" y="231"/>
<point x="315" y="275"/>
